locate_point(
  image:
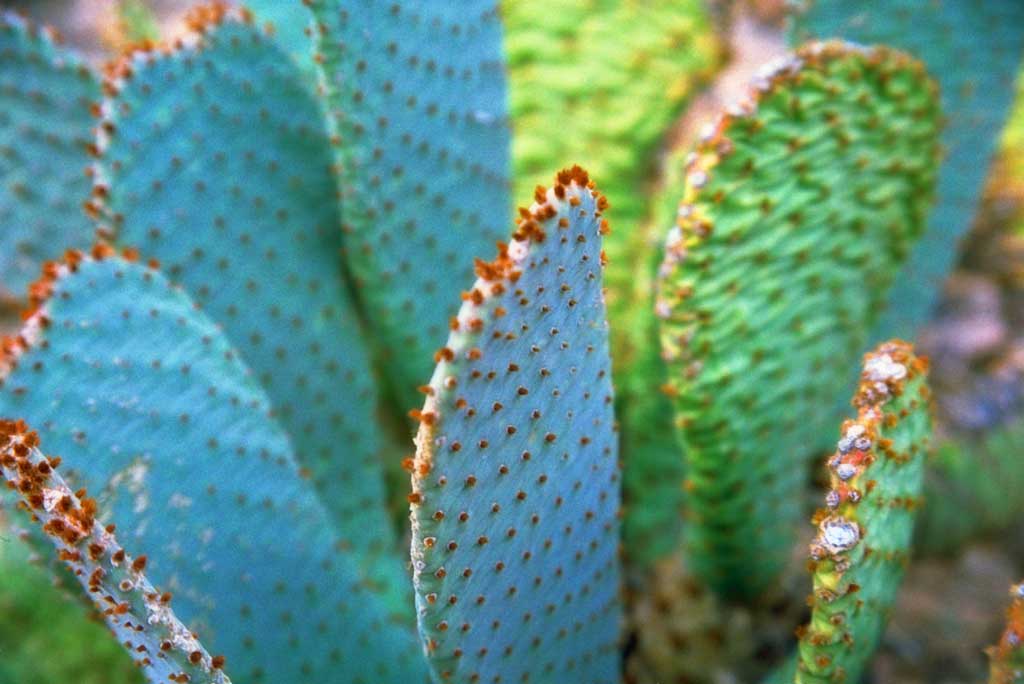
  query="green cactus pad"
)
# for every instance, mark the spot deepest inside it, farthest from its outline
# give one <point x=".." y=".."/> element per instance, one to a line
<point x="1006" y="659"/>
<point x="515" y="482"/>
<point x="862" y="546"/>
<point x="653" y="467"/>
<point x="218" y="166"/>
<point x="974" y="49"/>
<point x="139" y="615"/>
<point x="972" y="488"/>
<point x="417" y="93"/>
<point x="800" y="205"/>
<point x="157" y="416"/>
<point x="45" y="131"/>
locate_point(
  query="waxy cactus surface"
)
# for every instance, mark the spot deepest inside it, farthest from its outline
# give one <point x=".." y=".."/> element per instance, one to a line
<point x="215" y="161"/>
<point x="156" y="414"/>
<point x="515" y="482"/>
<point x="45" y="133"/>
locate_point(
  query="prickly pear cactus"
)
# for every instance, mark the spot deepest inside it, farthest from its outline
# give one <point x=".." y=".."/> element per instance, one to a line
<point x="45" y="130"/>
<point x="862" y="546"/>
<point x="974" y="49"/>
<point x="800" y="205"/>
<point x="1006" y="659"/>
<point x="622" y="72"/>
<point x="417" y="94"/>
<point x="215" y="161"/>
<point x="157" y="416"/>
<point x="138" y="614"/>
<point x="515" y="482"/>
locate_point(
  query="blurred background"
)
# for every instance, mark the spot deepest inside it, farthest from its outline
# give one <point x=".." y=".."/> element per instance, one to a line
<point x="692" y="58"/>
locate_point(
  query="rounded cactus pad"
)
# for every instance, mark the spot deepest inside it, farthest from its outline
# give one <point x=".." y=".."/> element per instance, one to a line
<point x="139" y="615"/>
<point x="45" y="131"/>
<point x="416" y="90"/>
<point x="1006" y="658"/>
<point x="862" y="545"/>
<point x="515" y="481"/>
<point x="215" y="160"/>
<point x="155" y="413"/>
<point x="975" y="51"/>
<point x="800" y="205"/>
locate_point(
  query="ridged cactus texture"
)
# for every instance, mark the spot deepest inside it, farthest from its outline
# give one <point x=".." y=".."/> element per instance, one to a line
<point x="516" y="482"/>
<point x="45" y="132"/>
<point x="974" y="50"/>
<point x="862" y="545"/>
<point x="622" y="72"/>
<point x="800" y="205"/>
<point x="156" y="414"/>
<point x="1006" y="659"/>
<point x="139" y="615"/>
<point x="416" y="91"/>
<point x="216" y="162"/>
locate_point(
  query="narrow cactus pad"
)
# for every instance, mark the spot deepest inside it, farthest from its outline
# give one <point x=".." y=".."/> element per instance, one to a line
<point x="972" y="488"/>
<point x="974" y="49"/>
<point x="863" y="542"/>
<point x="800" y="205"/>
<point x="417" y="92"/>
<point x="45" y="130"/>
<point x="515" y="481"/>
<point x="216" y="162"/>
<point x="156" y="415"/>
<point x="139" y="615"/>
<point x="1006" y="659"/>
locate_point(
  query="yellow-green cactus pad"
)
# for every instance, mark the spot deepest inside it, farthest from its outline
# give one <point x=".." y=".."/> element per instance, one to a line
<point x="800" y="205"/>
<point x="862" y="546"/>
<point x="1006" y="659"/>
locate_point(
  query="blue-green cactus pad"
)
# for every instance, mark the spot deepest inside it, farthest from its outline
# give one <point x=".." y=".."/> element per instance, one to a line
<point x="516" y="484"/>
<point x="45" y="131"/>
<point x="417" y="92"/>
<point x="219" y="167"/>
<point x="156" y="414"/>
<point x="974" y="49"/>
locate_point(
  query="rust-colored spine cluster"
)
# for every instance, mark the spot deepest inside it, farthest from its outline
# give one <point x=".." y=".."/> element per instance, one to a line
<point x="137" y="613"/>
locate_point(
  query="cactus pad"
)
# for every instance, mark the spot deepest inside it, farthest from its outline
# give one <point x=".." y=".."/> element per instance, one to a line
<point x="515" y="481"/>
<point x="217" y="164"/>
<point x="137" y="613"/>
<point x="975" y="50"/>
<point x="1006" y="659"/>
<point x="417" y="92"/>
<point x="862" y="546"/>
<point x="800" y="205"/>
<point x="45" y="130"/>
<point x="157" y="416"/>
